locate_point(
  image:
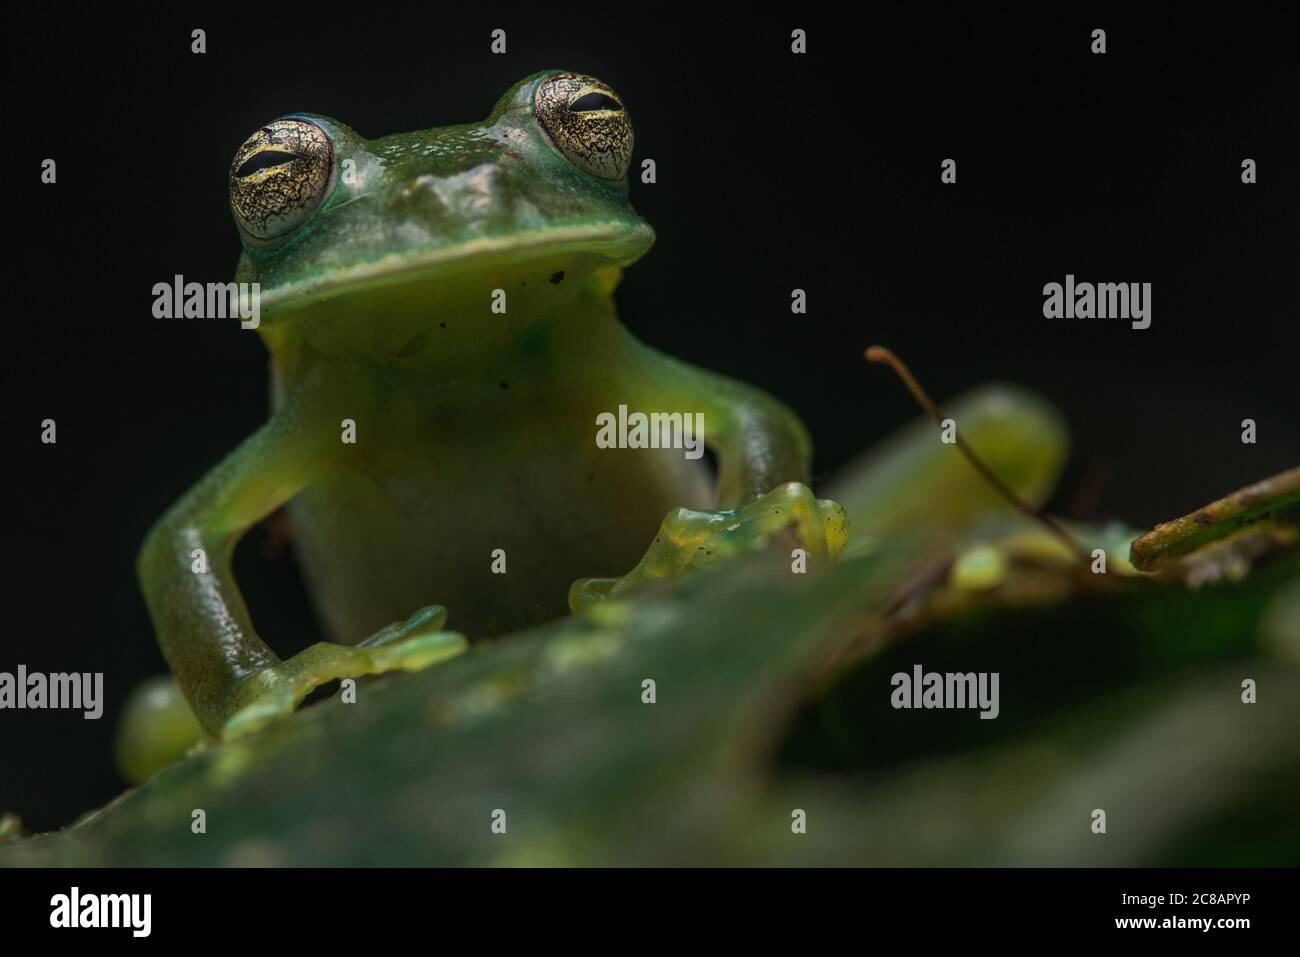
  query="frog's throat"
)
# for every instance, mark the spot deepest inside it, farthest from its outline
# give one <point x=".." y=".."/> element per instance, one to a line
<point x="616" y="242"/>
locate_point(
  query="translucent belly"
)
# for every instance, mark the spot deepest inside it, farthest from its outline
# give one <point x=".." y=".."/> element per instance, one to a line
<point x="407" y="529"/>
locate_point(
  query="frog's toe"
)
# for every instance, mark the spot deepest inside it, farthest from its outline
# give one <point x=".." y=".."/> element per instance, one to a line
<point x="819" y="526"/>
<point x="277" y="691"/>
<point x="690" y="539"/>
<point x="428" y="620"/>
<point x="586" y="592"/>
<point x="269" y="706"/>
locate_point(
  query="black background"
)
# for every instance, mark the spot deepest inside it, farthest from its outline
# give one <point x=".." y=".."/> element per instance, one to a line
<point x="1015" y="904"/>
<point x="774" y="172"/>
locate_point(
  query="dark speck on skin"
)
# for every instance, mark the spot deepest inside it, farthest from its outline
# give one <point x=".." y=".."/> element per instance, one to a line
<point x="442" y="325"/>
<point x="557" y="277"/>
<point x="505" y="385"/>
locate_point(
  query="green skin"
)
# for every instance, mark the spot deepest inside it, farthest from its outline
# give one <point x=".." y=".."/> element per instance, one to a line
<point x="474" y="430"/>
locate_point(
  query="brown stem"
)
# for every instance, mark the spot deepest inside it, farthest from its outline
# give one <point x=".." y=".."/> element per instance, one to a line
<point x="882" y="355"/>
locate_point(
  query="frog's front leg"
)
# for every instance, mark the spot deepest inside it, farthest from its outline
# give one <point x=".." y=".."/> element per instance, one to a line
<point x="764" y="455"/>
<point x="232" y="680"/>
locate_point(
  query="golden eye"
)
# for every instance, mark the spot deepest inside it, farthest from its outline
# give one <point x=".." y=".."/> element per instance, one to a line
<point x="586" y="122"/>
<point x="280" y="177"/>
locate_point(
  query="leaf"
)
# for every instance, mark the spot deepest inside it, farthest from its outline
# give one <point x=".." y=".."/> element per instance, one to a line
<point x="548" y="726"/>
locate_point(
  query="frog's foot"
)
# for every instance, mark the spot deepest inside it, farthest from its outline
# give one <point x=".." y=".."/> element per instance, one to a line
<point x="275" y="692"/>
<point x="690" y="539"/>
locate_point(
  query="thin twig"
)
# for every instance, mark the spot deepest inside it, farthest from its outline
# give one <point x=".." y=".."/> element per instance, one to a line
<point x="882" y="355"/>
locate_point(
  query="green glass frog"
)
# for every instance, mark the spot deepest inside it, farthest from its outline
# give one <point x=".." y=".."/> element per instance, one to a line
<point x="439" y="311"/>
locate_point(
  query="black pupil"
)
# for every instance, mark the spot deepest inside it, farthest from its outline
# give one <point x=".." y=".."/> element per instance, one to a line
<point x="594" y="101"/>
<point x="263" y="160"/>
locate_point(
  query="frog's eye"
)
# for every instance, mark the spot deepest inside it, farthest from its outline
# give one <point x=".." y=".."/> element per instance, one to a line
<point x="280" y="177"/>
<point x="586" y="122"/>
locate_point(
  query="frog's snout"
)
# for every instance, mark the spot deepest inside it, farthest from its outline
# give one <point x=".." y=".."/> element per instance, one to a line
<point x="464" y="201"/>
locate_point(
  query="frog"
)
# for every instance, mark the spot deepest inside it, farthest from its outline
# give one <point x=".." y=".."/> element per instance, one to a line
<point x="438" y="308"/>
